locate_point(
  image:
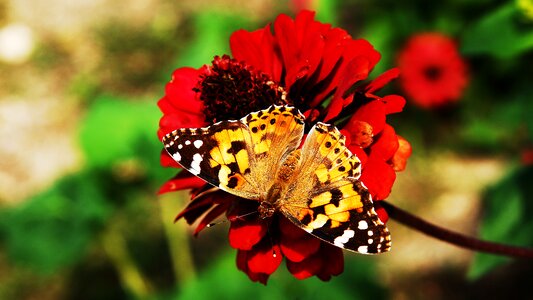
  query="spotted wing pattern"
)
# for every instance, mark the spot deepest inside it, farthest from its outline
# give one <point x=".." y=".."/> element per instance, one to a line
<point x="242" y="156"/>
<point x="326" y="198"/>
<point x="321" y="193"/>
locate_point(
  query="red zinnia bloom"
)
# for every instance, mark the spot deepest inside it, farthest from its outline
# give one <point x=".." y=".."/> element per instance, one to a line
<point x="302" y="63"/>
<point x="433" y="71"/>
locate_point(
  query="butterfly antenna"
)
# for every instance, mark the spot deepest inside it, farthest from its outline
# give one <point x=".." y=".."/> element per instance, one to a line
<point x="231" y="219"/>
<point x="216" y="223"/>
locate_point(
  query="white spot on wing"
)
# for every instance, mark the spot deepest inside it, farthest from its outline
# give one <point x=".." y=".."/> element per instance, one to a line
<point x="198" y="144"/>
<point x="362" y="249"/>
<point x="180" y="146"/>
<point x="370" y="233"/>
<point x="344" y="238"/>
<point x="176" y="156"/>
<point x="370" y="241"/>
<point x="187" y="142"/>
<point x="362" y="225"/>
<point x="195" y="165"/>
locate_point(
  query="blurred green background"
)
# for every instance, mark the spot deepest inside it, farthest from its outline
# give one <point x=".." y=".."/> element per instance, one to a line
<point x="79" y="215"/>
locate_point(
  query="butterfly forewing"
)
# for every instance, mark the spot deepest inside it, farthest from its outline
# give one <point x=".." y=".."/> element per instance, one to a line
<point x="219" y="154"/>
<point x="327" y="199"/>
<point x="240" y="157"/>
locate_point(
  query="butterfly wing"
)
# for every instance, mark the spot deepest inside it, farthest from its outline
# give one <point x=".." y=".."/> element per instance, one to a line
<point x="240" y="157"/>
<point x="326" y="198"/>
<point x="275" y="133"/>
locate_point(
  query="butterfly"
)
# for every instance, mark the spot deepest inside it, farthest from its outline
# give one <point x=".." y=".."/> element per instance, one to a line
<point x="316" y="186"/>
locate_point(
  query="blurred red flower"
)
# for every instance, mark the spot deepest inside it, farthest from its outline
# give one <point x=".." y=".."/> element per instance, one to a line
<point x="433" y="72"/>
<point x="303" y="63"/>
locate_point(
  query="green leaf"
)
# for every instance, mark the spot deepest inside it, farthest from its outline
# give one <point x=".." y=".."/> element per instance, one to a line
<point x="498" y="34"/>
<point x="507" y="218"/>
<point x="113" y="127"/>
<point x="53" y="229"/>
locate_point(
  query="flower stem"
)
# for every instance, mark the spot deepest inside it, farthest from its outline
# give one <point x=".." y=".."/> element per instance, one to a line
<point x="452" y="237"/>
<point x="130" y="276"/>
<point x="177" y="237"/>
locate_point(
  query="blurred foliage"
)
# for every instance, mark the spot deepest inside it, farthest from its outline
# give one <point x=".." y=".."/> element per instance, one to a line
<point x="506" y="218"/>
<point x="210" y="36"/>
<point x="513" y="38"/>
<point x="116" y="131"/>
<point x="222" y="281"/>
<point x="65" y="231"/>
<point x="53" y="229"/>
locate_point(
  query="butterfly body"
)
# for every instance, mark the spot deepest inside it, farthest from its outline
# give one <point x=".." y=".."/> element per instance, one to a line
<point x="259" y="158"/>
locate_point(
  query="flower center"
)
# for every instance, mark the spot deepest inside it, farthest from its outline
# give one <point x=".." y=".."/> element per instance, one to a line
<point x="433" y="73"/>
<point x="231" y="89"/>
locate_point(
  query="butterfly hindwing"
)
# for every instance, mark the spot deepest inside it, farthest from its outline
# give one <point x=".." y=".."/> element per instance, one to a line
<point x="342" y="214"/>
<point x="326" y="155"/>
<point x="328" y="200"/>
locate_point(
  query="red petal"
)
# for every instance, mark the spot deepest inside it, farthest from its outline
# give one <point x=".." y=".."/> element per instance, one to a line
<point x="296" y="244"/>
<point x="378" y="177"/>
<point x="184" y="180"/>
<point x="386" y="144"/>
<point x="356" y="70"/>
<point x="242" y="260"/>
<point x="382" y="80"/>
<point x="296" y="250"/>
<point x="373" y="113"/>
<point x="179" y="94"/>
<point x="334" y="259"/>
<point x="290" y="230"/>
<point x="257" y="49"/>
<point x="361" y="47"/>
<point x="393" y="103"/>
<point x="307" y="268"/>
<point x="244" y="235"/>
<point x="261" y="259"/>
<point x="336" y="39"/>
<point x="334" y="59"/>
<point x="242" y="264"/>
<point x="300" y="44"/>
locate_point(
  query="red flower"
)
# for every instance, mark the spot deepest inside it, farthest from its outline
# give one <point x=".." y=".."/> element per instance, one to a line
<point x="433" y="71"/>
<point x="303" y="63"/>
